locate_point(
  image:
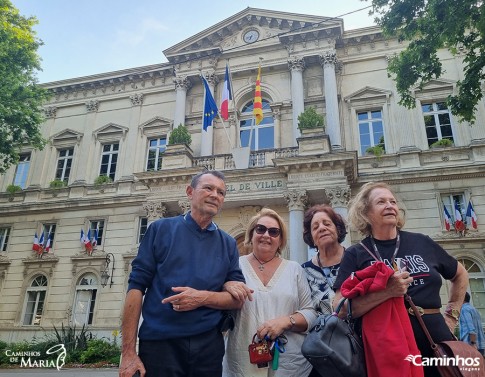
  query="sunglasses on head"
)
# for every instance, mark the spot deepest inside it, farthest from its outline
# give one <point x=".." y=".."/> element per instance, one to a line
<point x="273" y="232"/>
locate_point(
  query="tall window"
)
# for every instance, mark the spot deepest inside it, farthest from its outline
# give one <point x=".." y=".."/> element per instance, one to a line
<point x="449" y="201"/>
<point x="86" y="290"/>
<point x="476" y="282"/>
<point x="22" y="171"/>
<point x="437" y="121"/>
<point x="109" y="158"/>
<point x="97" y="225"/>
<point x="263" y="133"/>
<point x="156" y="147"/>
<point x="64" y="163"/>
<point x="35" y="299"/>
<point x="142" y="228"/>
<point x="371" y="129"/>
<point x="49" y="232"/>
<point x="4" y="235"/>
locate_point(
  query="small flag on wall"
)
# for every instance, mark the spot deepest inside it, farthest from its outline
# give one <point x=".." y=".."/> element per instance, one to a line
<point x="459" y="224"/>
<point x="258" y="102"/>
<point x="447" y="218"/>
<point x="471" y="217"/>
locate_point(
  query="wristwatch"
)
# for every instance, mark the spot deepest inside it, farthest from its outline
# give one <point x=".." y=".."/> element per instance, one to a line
<point x="452" y="312"/>
<point x="293" y="321"/>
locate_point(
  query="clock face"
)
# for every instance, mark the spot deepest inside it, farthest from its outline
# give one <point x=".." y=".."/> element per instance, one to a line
<point x="251" y="36"/>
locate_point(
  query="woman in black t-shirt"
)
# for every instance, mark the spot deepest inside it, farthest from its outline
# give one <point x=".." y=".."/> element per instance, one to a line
<point x="375" y="213"/>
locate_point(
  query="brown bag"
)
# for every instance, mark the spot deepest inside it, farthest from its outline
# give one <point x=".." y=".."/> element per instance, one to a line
<point x="259" y="352"/>
<point x="453" y="349"/>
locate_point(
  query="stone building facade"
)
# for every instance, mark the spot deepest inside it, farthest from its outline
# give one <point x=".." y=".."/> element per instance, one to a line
<point x="118" y="123"/>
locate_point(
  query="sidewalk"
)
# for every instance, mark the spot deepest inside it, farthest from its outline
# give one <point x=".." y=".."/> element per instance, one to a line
<point x="48" y="372"/>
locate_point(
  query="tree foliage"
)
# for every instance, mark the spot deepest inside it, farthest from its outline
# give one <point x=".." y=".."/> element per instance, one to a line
<point x="428" y="25"/>
<point x="20" y="97"/>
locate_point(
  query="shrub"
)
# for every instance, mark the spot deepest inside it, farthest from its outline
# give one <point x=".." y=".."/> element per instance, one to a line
<point x="180" y="135"/>
<point x="12" y="189"/>
<point x="102" y="180"/>
<point x="57" y="183"/>
<point x="442" y="143"/>
<point x="100" y="350"/>
<point x="72" y="339"/>
<point x="310" y="119"/>
<point x="376" y="150"/>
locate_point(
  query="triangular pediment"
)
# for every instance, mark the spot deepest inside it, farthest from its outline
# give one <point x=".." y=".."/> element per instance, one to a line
<point x="66" y="137"/>
<point x="110" y="132"/>
<point x="229" y="33"/>
<point x="368" y="93"/>
<point x="157" y="126"/>
<point x="437" y="84"/>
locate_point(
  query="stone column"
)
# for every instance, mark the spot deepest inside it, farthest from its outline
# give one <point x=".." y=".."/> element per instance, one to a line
<point x="332" y="126"/>
<point x="155" y="210"/>
<point x="207" y="136"/>
<point x="276" y="109"/>
<point x="339" y="199"/>
<point x="129" y="146"/>
<point x="297" y="200"/>
<point x="182" y="85"/>
<point x="296" y="65"/>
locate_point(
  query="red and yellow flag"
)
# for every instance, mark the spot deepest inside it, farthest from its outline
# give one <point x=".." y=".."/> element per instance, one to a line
<point x="258" y="104"/>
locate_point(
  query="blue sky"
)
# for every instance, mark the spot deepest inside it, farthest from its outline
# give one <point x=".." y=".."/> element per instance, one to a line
<point x="87" y="37"/>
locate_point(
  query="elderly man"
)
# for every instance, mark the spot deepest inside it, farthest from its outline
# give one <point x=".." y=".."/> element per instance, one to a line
<point x="186" y="266"/>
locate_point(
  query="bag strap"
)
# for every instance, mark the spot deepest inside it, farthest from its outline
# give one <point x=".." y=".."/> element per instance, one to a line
<point x="340" y="306"/>
<point x="420" y="320"/>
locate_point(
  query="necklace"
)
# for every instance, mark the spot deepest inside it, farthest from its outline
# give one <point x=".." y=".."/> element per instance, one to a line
<point x="261" y="264"/>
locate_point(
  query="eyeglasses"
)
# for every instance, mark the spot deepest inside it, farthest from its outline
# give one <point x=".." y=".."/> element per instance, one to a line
<point x="273" y="232"/>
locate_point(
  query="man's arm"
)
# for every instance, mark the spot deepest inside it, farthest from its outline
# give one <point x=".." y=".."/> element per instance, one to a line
<point x="130" y="362"/>
<point x="189" y="299"/>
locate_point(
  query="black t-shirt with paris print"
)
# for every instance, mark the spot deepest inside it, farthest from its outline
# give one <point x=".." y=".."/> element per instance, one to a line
<point x="425" y="259"/>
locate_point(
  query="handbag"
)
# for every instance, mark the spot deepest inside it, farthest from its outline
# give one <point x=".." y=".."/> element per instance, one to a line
<point x="227" y="321"/>
<point x="333" y="346"/>
<point x="259" y="352"/>
<point x="459" y="358"/>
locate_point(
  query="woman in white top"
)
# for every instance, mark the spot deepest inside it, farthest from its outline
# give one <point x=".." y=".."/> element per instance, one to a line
<point x="281" y="303"/>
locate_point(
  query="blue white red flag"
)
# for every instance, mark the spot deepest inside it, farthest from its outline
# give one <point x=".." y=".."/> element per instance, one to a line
<point x="459" y="224"/>
<point x="447" y="217"/>
<point x="36" y="246"/>
<point x="471" y="217"/>
<point x="226" y="95"/>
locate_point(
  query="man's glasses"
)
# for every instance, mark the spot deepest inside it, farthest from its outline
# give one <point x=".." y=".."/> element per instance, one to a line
<point x="273" y="232"/>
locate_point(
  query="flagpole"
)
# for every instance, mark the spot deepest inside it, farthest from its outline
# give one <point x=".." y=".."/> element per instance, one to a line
<point x="225" y="129"/>
<point x="238" y="132"/>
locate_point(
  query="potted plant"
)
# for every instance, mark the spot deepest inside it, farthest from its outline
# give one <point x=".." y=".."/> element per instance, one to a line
<point x="12" y="189"/>
<point x="442" y="143"/>
<point x="376" y="150"/>
<point x="310" y="120"/>
<point x="180" y="135"/>
<point x="102" y="180"/>
<point x="57" y="184"/>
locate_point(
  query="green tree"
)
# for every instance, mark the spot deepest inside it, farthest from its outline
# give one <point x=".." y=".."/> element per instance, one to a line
<point x="20" y="97"/>
<point x="458" y="25"/>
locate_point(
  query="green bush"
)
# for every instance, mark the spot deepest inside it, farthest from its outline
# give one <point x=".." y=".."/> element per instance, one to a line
<point x="57" y="183"/>
<point x="376" y="150"/>
<point x="100" y="350"/>
<point x="12" y="189"/>
<point x="71" y="338"/>
<point x="310" y="119"/>
<point x="180" y="135"/>
<point x="102" y="180"/>
<point x="442" y="143"/>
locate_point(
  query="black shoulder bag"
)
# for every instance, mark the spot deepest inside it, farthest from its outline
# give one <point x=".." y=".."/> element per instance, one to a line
<point x="333" y="346"/>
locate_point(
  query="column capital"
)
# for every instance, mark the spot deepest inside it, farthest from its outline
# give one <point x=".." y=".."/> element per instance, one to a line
<point x="136" y="99"/>
<point x="155" y="210"/>
<point x="182" y="83"/>
<point x="297" y="199"/>
<point x="92" y="105"/>
<point x="50" y="111"/>
<point x="184" y="205"/>
<point x="211" y="78"/>
<point x="339" y="196"/>
<point x="329" y="58"/>
<point x="296" y="63"/>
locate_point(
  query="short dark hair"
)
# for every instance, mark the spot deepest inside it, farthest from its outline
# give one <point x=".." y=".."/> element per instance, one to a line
<point x="467" y="297"/>
<point x="334" y="216"/>
<point x="215" y="173"/>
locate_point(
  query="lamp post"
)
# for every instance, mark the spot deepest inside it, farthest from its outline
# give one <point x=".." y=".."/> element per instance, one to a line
<point x="105" y="276"/>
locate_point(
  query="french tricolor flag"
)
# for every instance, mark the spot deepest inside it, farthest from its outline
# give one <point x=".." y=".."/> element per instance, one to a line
<point x="471" y="217"/>
<point x="48" y="243"/>
<point x="448" y="220"/>
<point x="226" y="95"/>
<point x="459" y="224"/>
<point x="35" y="245"/>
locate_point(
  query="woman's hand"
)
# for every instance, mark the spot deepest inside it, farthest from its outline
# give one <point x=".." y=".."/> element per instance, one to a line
<point x="274" y="327"/>
<point x="398" y="284"/>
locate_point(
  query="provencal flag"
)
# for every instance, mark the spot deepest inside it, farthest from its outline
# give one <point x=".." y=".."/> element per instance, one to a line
<point x="258" y="103"/>
<point x="210" y="107"/>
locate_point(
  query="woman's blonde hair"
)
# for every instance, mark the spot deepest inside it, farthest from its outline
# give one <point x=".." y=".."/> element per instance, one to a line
<point x="266" y="212"/>
<point x="359" y="207"/>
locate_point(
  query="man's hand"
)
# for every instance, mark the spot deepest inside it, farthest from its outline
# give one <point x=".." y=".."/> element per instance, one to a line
<point x="130" y="364"/>
<point x="238" y="290"/>
<point x="187" y="299"/>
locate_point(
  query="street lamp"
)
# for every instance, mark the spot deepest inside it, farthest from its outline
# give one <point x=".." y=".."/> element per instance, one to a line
<point x="110" y="259"/>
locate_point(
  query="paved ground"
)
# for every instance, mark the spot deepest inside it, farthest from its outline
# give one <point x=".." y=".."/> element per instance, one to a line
<point x="46" y="372"/>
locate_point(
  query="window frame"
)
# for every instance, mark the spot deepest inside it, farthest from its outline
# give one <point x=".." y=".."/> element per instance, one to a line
<point x="66" y="160"/>
<point x="142" y="228"/>
<point x="110" y="172"/>
<point x="22" y="170"/>
<point x="38" y="290"/>
<point x="159" y="150"/>
<point x="93" y="288"/>
<point x="4" y="237"/>
<point x="371" y="122"/>
<point x="95" y="224"/>
<point x="450" y="206"/>
<point x="435" y="113"/>
<point x="267" y="123"/>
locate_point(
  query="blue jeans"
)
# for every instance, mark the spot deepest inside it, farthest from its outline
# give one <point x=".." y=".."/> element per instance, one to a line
<point x="194" y="356"/>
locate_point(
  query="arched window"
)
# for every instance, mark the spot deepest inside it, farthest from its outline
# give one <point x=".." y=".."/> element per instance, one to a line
<point x="263" y="133"/>
<point x="476" y="277"/>
<point x="34" y="301"/>
<point x="85" y="299"/>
